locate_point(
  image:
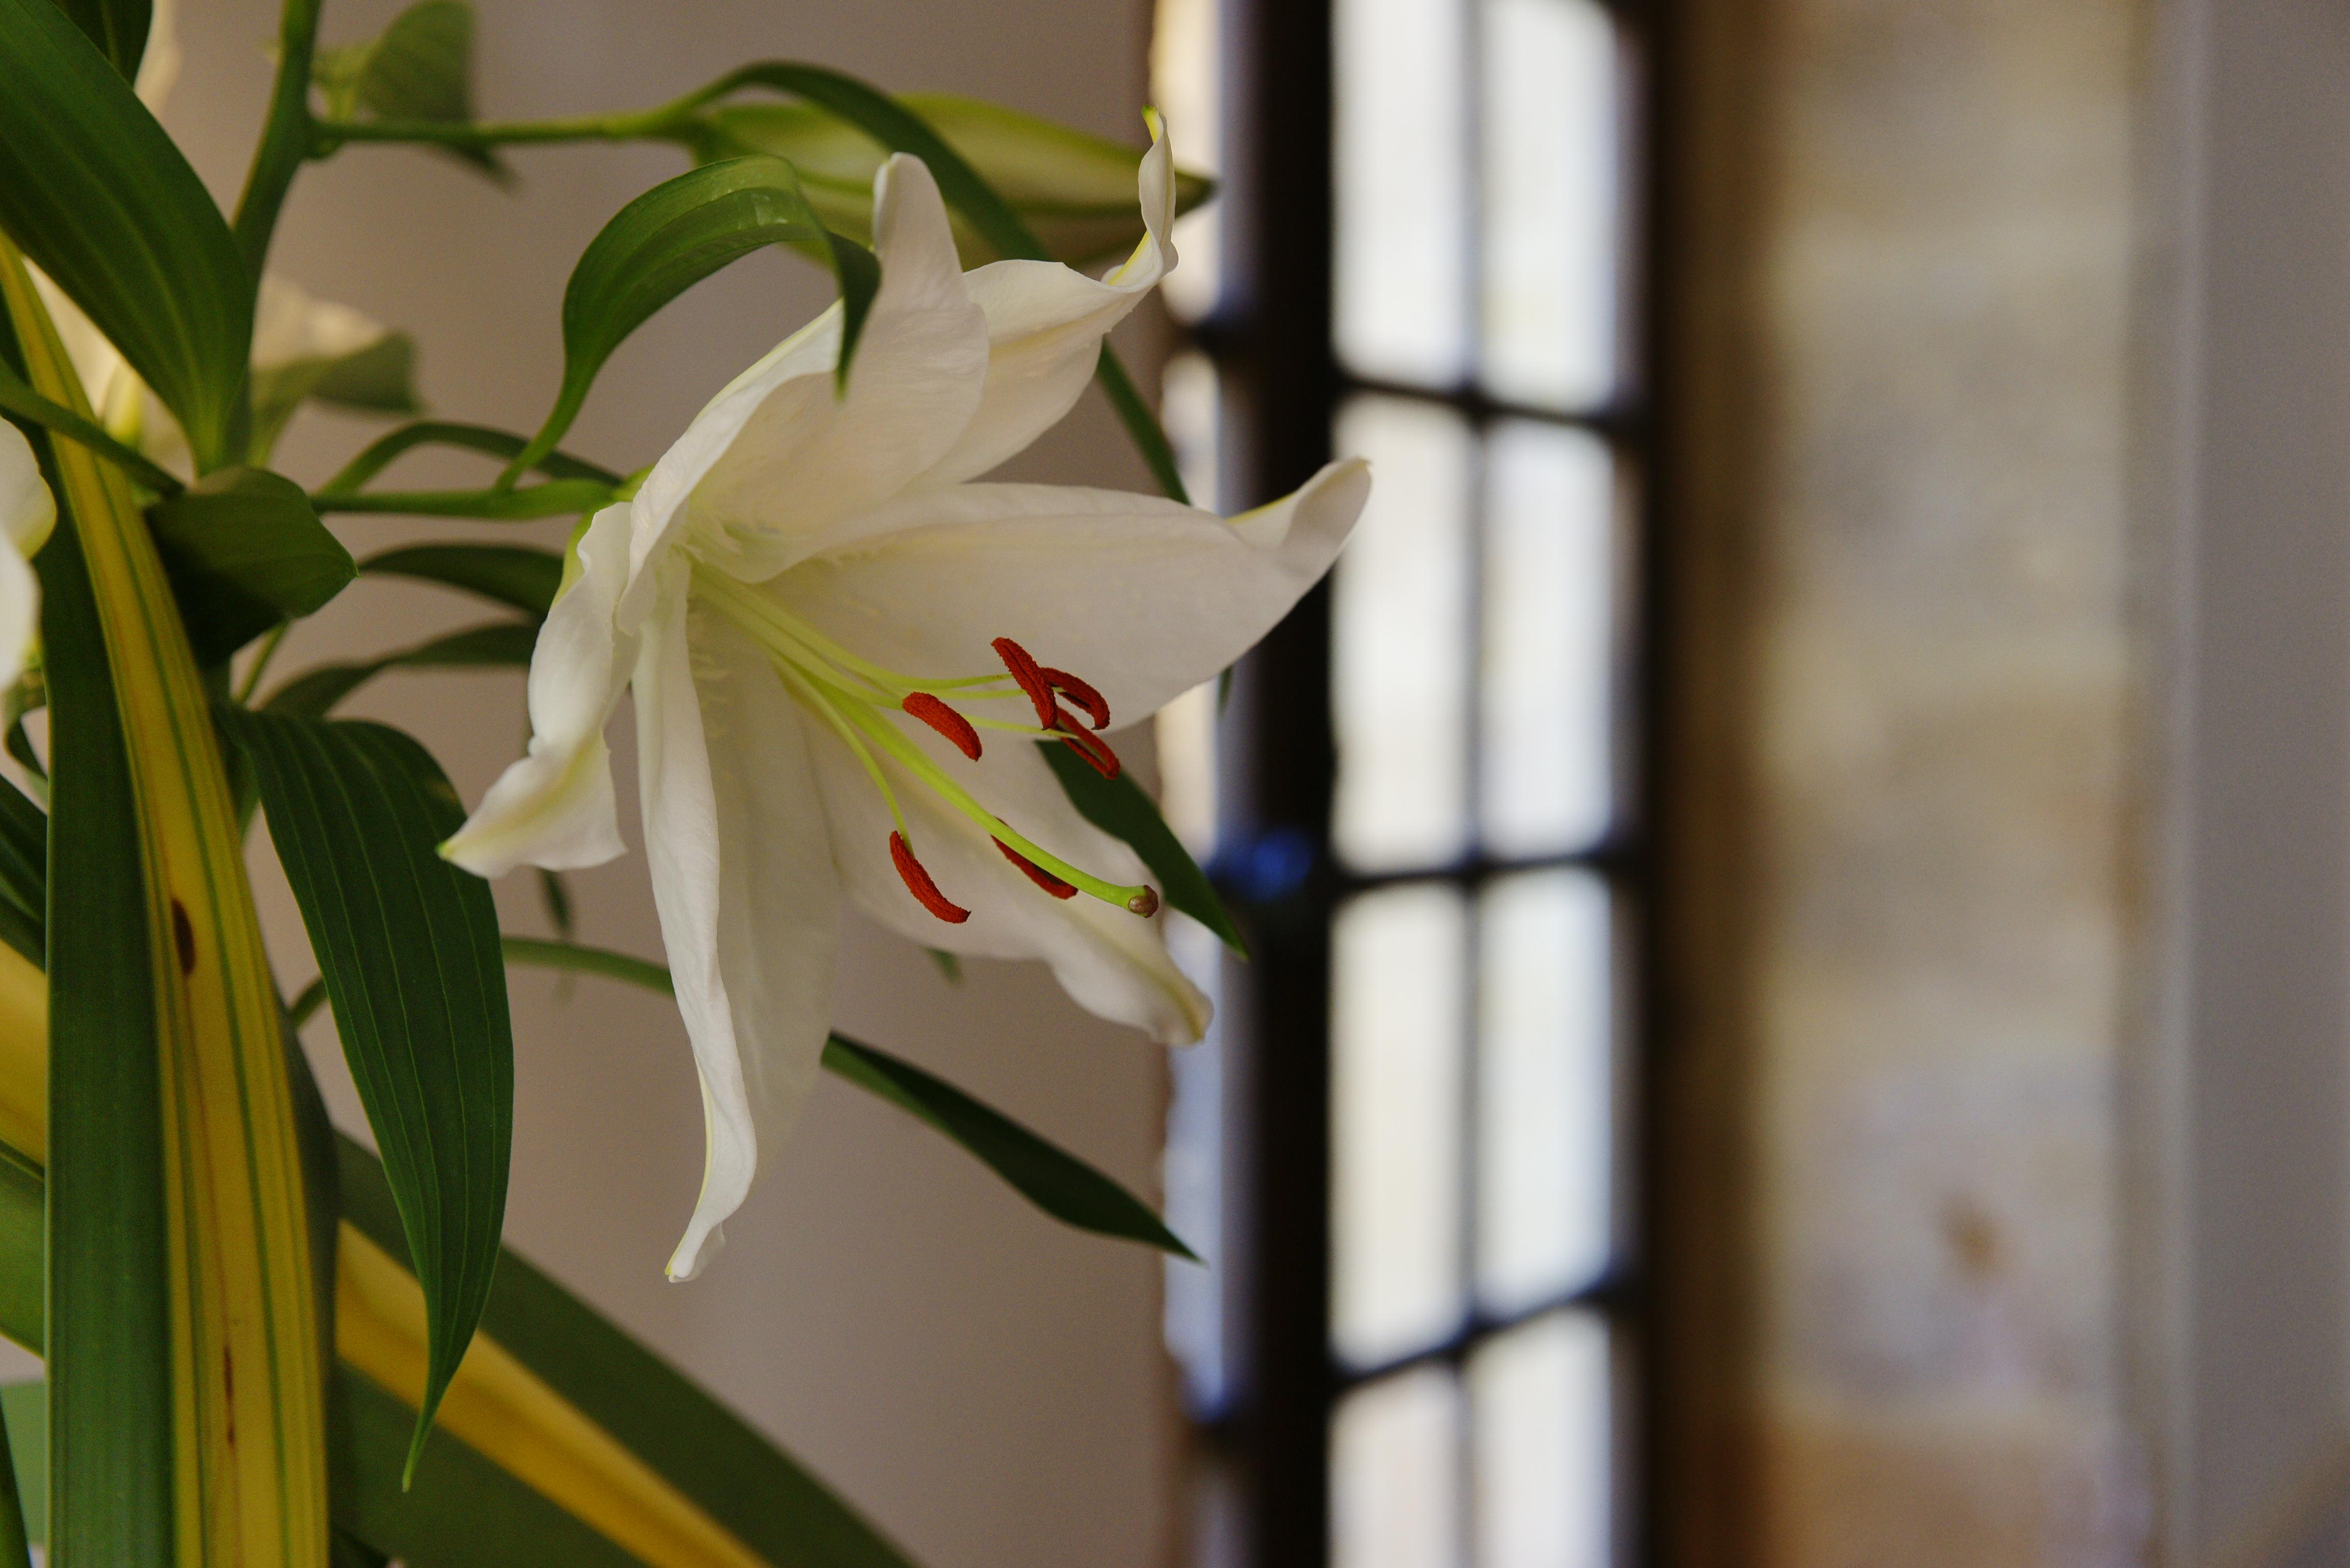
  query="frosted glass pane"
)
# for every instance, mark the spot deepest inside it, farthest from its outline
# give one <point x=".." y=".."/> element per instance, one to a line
<point x="1395" y="1474"/>
<point x="1541" y="1445"/>
<point x="1187" y="83"/>
<point x="1545" y="1090"/>
<point x="1191" y="1176"/>
<point x="1401" y="655"/>
<point x="1552" y="229"/>
<point x="1397" y="999"/>
<point x="1550" y="639"/>
<point x="1403" y="219"/>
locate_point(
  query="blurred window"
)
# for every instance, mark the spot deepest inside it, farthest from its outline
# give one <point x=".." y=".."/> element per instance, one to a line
<point x="1468" y="1399"/>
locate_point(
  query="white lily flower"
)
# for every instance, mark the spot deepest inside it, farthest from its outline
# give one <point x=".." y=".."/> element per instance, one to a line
<point x="821" y="615"/>
<point x="28" y="513"/>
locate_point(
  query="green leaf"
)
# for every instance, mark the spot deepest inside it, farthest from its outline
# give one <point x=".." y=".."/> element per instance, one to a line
<point x="1059" y="1182"/>
<point x="315" y="692"/>
<point x="109" y="1324"/>
<point x="386" y="449"/>
<point x="422" y="69"/>
<point x="1075" y="190"/>
<point x="671" y="238"/>
<point x="1120" y="807"/>
<point x="380" y="378"/>
<point x="522" y="576"/>
<point x="24" y="874"/>
<point x="119" y="28"/>
<point x="26" y="404"/>
<point x="96" y="193"/>
<point x="556" y="498"/>
<point x="246" y="551"/>
<point x="701" y="1448"/>
<point x="408" y="945"/>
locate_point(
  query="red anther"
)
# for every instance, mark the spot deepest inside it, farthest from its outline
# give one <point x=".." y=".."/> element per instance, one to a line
<point x="945" y="721"/>
<point x="1093" y="748"/>
<point x="1081" y="693"/>
<point x="1036" y="873"/>
<point x="1025" y="670"/>
<point x="918" y="882"/>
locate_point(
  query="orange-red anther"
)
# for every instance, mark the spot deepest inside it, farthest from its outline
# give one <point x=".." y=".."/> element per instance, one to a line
<point x="1026" y="671"/>
<point x="945" y="721"/>
<point x="918" y="882"/>
<point x="1093" y="748"/>
<point x="1080" y="693"/>
<point x="1036" y="873"/>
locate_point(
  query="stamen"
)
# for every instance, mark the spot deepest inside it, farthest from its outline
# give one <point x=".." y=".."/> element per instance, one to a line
<point x="1095" y="750"/>
<point x="918" y="882"/>
<point x="944" y="720"/>
<point x="1031" y="677"/>
<point x="1081" y="693"/>
<point x="1036" y="873"/>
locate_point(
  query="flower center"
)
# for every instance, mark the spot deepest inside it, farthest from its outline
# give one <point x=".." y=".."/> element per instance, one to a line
<point x="856" y="700"/>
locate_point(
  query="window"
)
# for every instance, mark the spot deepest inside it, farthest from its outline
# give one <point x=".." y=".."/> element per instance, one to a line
<point x="1405" y="1145"/>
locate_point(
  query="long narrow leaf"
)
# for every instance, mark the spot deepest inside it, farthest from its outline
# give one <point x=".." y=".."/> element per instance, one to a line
<point x="381" y="453"/>
<point x="408" y="945"/>
<point x="314" y="693"/>
<point x="24" y="874"/>
<point x="119" y="28"/>
<point x="94" y="192"/>
<point x="1054" y="1180"/>
<point x="246" y="1433"/>
<point x="671" y="238"/>
<point x="1120" y="807"/>
<point x="522" y="576"/>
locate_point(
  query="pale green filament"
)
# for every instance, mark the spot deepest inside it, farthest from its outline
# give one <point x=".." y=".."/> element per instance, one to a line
<point x="820" y="673"/>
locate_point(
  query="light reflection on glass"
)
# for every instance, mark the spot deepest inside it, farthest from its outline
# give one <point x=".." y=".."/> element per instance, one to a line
<point x="1551" y="160"/>
<point x="1548" y="693"/>
<point x="1399" y="694"/>
<point x="1540" y="1440"/>
<point x="1545" y="1090"/>
<point x="1191" y="1175"/>
<point x="1397" y="999"/>
<point x="1402" y="278"/>
<point x="1187" y="83"/>
<point x="1395" y="1468"/>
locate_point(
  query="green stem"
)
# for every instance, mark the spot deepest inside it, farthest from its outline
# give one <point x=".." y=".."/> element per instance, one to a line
<point x="385" y="449"/>
<point x="1141" y="425"/>
<point x="15" y="1549"/>
<point x="285" y="136"/>
<point x="556" y="498"/>
<point x="269" y="646"/>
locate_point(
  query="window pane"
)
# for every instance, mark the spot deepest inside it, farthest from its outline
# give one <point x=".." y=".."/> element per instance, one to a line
<point x="1190" y="408"/>
<point x="1402" y="277"/>
<point x="1397" y="1007"/>
<point x="1187" y="83"/>
<point x="1545" y="1092"/>
<point x="1541" y="1441"/>
<point x="1191" y="1175"/>
<point x="1400" y="666"/>
<point x="1395" y="1474"/>
<point x="1551" y="151"/>
<point x="1550" y="637"/>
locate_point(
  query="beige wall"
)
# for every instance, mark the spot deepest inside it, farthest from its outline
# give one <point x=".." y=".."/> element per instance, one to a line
<point x="988" y="1386"/>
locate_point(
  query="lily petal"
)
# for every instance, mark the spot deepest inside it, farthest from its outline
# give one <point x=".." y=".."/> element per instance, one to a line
<point x="780" y="456"/>
<point x="28" y="511"/>
<point x="1113" y="963"/>
<point x="742" y="877"/>
<point x="1045" y="322"/>
<point x="555" y="806"/>
<point x="1140" y="597"/>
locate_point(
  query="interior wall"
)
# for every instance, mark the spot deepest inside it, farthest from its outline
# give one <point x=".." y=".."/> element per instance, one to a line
<point x="988" y="1386"/>
<point x="1898" y="829"/>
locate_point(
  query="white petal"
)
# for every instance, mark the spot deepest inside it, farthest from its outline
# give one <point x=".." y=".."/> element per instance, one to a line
<point x="1112" y="962"/>
<point x="27" y="511"/>
<point x="290" y="325"/>
<point x="1140" y="597"/>
<point x="554" y="807"/>
<point x="782" y="456"/>
<point x="742" y="877"/>
<point x="1045" y="322"/>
